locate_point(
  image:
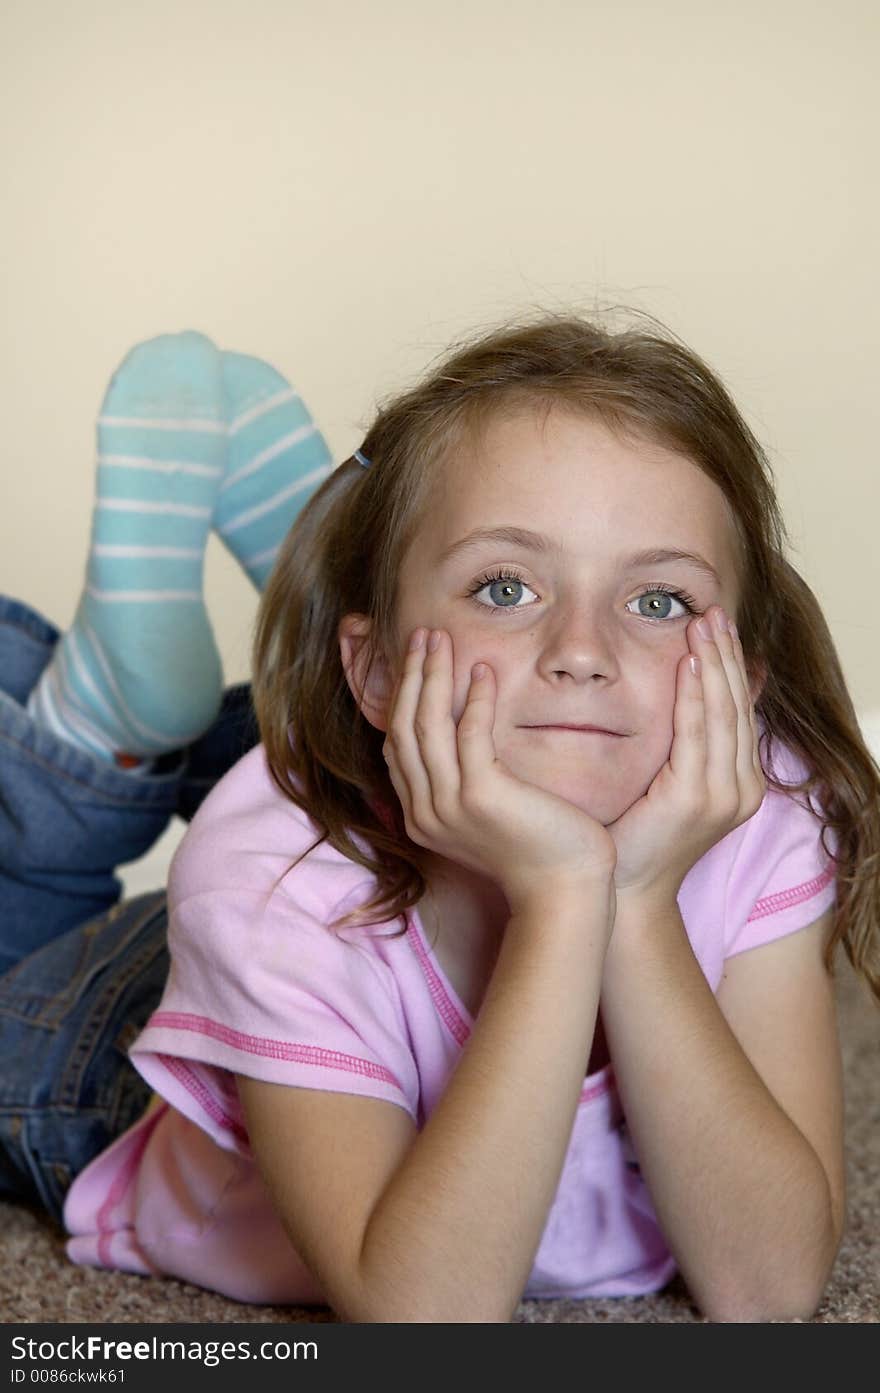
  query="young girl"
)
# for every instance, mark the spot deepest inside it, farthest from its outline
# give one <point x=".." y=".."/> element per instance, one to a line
<point x="501" y="966"/>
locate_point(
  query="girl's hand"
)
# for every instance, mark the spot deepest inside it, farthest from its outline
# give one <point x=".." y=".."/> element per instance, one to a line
<point x="713" y="780"/>
<point x="460" y="801"/>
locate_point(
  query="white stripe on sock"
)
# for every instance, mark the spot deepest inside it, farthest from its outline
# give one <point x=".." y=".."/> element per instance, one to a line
<point x="262" y="408"/>
<point x="210" y="427"/>
<point x="202" y="471"/>
<point x="162" y="737"/>
<point x="133" y="505"/>
<point x="275" y="502"/>
<point x="141" y="597"/>
<point x="79" y="661"/>
<point x="271" y="452"/>
<point x="178" y="553"/>
<point x="42" y="710"/>
<point x="76" y="721"/>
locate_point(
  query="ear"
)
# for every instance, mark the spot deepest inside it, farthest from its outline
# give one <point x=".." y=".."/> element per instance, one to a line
<point x="371" y="683"/>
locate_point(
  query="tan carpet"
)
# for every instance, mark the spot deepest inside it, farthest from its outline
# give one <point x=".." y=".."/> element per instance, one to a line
<point x="37" y="1283"/>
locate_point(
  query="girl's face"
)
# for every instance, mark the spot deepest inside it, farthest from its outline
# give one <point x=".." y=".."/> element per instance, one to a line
<point x="555" y="553"/>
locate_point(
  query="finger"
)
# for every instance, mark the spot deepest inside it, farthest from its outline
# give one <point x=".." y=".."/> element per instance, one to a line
<point x="401" y="745"/>
<point x="734" y="668"/>
<point x="435" y="726"/>
<point x="687" y="756"/>
<point x="722" y="712"/>
<point x="749" y="777"/>
<point x="476" y="746"/>
<point x="750" y="759"/>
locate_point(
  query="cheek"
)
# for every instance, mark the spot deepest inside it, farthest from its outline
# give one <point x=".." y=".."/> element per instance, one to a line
<point x="480" y="648"/>
<point x="657" y="708"/>
<point x="657" y="677"/>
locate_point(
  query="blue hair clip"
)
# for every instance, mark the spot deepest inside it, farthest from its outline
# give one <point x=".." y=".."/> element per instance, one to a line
<point x="362" y="459"/>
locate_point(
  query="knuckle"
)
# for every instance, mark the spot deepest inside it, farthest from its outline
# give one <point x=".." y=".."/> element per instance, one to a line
<point x="729" y="716"/>
<point x="695" y="803"/>
<point x="416" y="828"/>
<point x="412" y="830"/>
<point x="446" y="808"/>
<point x="729" y="808"/>
<point x="472" y="799"/>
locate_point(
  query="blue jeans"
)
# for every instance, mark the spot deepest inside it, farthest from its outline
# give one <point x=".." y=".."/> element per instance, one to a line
<point x="80" y="971"/>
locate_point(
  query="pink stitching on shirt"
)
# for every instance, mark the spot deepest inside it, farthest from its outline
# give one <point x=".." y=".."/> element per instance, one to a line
<point x="196" y="1086"/>
<point x="451" y="1018"/>
<point x="784" y="899"/>
<point x="272" y="1049"/>
<point x="121" y="1181"/>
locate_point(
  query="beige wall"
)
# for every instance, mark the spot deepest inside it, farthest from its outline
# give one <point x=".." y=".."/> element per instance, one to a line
<point x="341" y="187"/>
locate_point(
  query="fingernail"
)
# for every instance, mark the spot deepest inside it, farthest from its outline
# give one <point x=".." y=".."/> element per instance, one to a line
<point x="703" y="629"/>
<point x="695" y="665"/>
<point x="721" y="620"/>
<point x="416" y="640"/>
<point x="478" y="670"/>
<point x="733" y="629"/>
<point x="434" y="641"/>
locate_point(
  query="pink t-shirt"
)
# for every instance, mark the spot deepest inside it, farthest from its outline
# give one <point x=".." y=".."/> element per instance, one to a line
<point x="260" y="986"/>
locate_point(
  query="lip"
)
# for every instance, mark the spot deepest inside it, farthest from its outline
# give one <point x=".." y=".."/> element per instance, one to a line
<point x="582" y="730"/>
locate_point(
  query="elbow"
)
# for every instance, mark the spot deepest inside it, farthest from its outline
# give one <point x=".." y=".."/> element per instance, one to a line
<point x="423" y="1287"/>
<point x="391" y="1296"/>
<point x="748" y="1309"/>
<point x="770" y="1297"/>
<point x="782" y="1284"/>
<point x="409" y="1309"/>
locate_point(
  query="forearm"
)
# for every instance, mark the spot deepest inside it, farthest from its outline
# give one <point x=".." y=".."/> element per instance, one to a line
<point x="454" y="1233"/>
<point x="741" y="1195"/>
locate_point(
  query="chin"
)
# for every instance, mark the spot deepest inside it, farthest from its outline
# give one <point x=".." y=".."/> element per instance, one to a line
<point x="604" y="790"/>
<point x="605" y="810"/>
<point x="604" y="804"/>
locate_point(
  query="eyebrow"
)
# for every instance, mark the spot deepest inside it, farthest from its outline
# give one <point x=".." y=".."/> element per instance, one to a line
<point x="545" y="546"/>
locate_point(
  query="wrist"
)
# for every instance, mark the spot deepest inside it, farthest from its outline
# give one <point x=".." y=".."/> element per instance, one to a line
<point x="654" y="897"/>
<point x="645" y="923"/>
<point x="584" y="891"/>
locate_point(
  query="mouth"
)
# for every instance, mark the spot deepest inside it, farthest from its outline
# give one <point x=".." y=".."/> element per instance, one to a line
<point x="579" y="730"/>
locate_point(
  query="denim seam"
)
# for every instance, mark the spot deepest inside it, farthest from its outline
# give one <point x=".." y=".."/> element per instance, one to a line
<point x="62" y="1000"/>
<point x="53" y="1010"/>
<point x="33" y="629"/>
<point x="70" y="1084"/>
<point x="39" y="1179"/>
<point x="155" y="798"/>
<point x="33" y="1111"/>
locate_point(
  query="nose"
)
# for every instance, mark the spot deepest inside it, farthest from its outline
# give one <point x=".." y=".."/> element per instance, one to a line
<point x="579" y="647"/>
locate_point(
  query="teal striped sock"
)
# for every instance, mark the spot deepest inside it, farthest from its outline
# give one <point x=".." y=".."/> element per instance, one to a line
<point x="138" y="673"/>
<point x="276" y="458"/>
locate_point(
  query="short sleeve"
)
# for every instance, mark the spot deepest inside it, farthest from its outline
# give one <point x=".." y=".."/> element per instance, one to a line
<point x="260" y="982"/>
<point x="783" y="879"/>
<point x="270" y="991"/>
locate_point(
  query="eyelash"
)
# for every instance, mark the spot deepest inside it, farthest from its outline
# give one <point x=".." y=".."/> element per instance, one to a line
<point x="682" y="596"/>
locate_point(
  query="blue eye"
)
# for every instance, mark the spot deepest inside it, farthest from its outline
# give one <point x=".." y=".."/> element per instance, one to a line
<point x="505" y="589"/>
<point x="658" y="603"/>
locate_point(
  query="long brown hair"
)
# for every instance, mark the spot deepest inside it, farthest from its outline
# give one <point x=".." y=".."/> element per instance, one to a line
<point x="344" y="554"/>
